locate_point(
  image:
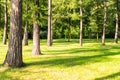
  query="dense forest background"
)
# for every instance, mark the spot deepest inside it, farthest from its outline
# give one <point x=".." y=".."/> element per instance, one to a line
<point x="66" y="18"/>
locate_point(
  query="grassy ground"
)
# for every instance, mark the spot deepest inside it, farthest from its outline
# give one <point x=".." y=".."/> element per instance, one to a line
<point x="66" y="61"/>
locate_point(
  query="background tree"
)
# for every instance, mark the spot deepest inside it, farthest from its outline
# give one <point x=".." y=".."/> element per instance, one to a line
<point x="116" y="30"/>
<point x="81" y="23"/>
<point x="36" y="36"/>
<point x="49" y="36"/>
<point x="96" y="19"/>
<point x="5" y="23"/>
<point x="104" y="24"/>
<point x="2" y="14"/>
<point x="66" y="19"/>
<point x="14" y="53"/>
<point x="25" y="36"/>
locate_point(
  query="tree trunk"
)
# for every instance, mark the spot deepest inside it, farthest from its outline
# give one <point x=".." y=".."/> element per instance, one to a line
<point x="6" y="23"/>
<point x="104" y="24"/>
<point x="116" y="30"/>
<point x="14" y="53"/>
<point x="97" y="36"/>
<point x="81" y="24"/>
<point x="69" y="30"/>
<point x="49" y="36"/>
<point x="25" y="38"/>
<point x="97" y="21"/>
<point x="36" y="31"/>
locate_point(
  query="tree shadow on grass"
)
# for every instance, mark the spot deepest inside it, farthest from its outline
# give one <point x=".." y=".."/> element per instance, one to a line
<point x="112" y="76"/>
<point x="4" y="75"/>
<point x="76" y="50"/>
<point x="72" y="41"/>
<point x="82" y="50"/>
<point x="115" y="47"/>
<point x="65" y="41"/>
<point x="74" y="60"/>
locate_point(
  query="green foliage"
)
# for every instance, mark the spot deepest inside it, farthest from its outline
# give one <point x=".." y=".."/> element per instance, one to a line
<point x="66" y="16"/>
<point x="29" y="16"/>
<point x="2" y="2"/>
<point x="66" y="10"/>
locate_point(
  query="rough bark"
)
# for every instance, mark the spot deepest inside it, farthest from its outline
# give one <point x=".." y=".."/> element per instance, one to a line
<point x="49" y="36"/>
<point x="25" y="37"/>
<point x="14" y="53"/>
<point x="36" y="38"/>
<point x="116" y="30"/>
<point x="81" y="25"/>
<point x="104" y="24"/>
<point x="5" y="23"/>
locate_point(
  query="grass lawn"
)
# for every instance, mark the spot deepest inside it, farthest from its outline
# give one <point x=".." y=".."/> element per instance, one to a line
<point x="66" y="61"/>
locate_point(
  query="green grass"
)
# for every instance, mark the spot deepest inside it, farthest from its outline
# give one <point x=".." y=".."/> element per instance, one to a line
<point x="66" y="61"/>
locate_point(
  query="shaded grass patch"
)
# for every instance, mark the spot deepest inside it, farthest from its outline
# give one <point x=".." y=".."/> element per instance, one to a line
<point x="66" y="61"/>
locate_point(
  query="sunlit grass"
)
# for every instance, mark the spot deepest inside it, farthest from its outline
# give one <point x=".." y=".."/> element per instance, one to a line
<point x="66" y="61"/>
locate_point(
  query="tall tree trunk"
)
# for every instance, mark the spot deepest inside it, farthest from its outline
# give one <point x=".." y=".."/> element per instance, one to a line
<point x="97" y="35"/>
<point x="104" y="24"/>
<point x="81" y="24"/>
<point x="97" y="20"/>
<point x="69" y="30"/>
<point x="6" y="23"/>
<point x="14" y="53"/>
<point x="116" y="30"/>
<point x="36" y="31"/>
<point x="49" y="36"/>
<point x="25" y="38"/>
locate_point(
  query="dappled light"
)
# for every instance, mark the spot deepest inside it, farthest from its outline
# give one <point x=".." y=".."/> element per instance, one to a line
<point x="59" y="40"/>
<point x="94" y="61"/>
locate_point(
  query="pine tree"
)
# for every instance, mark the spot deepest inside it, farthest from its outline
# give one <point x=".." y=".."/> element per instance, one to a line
<point x="49" y="36"/>
<point x="25" y="37"/>
<point x="104" y="24"/>
<point x="14" y="53"/>
<point x="36" y="31"/>
<point x="81" y="23"/>
<point x="5" y="23"/>
<point x="116" y="30"/>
